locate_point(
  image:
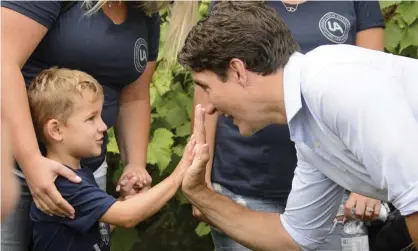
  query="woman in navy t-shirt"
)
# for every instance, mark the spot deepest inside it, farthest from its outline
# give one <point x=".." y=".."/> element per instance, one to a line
<point x="114" y="41"/>
<point x="257" y="171"/>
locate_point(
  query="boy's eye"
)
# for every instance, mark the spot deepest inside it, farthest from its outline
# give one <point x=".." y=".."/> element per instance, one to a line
<point x="91" y="118"/>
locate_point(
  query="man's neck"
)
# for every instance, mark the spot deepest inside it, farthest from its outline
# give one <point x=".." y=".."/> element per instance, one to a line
<point x="275" y="97"/>
<point x="63" y="158"/>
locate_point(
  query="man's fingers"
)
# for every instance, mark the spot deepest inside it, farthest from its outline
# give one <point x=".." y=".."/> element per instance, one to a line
<point x="360" y="209"/>
<point x="190" y="145"/>
<point x="199" y="125"/>
<point x="348" y="209"/>
<point x="68" y="174"/>
<point x="59" y="204"/>
<point x="202" y="155"/>
<point x="376" y="212"/>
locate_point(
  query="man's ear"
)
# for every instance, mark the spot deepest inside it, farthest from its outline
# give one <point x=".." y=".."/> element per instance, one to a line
<point x="237" y="71"/>
<point x="53" y="130"/>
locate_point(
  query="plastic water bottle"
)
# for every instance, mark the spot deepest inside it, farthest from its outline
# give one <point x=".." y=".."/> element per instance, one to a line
<point x="355" y="236"/>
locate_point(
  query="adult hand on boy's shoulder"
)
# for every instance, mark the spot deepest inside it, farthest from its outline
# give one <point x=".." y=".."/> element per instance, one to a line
<point x="41" y="177"/>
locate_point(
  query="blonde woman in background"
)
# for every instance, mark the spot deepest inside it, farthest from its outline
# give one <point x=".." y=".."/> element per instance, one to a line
<point x="114" y="41"/>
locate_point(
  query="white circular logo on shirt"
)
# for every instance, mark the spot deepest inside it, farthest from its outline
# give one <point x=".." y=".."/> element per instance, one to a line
<point x="140" y="54"/>
<point x="335" y="27"/>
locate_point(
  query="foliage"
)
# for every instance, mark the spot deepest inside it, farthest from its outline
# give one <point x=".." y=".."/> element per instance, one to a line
<point x="401" y="33"/>
<point x="174" y="227"/>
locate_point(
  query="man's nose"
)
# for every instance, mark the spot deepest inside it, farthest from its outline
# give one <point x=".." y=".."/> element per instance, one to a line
<point x="210" y="109"/>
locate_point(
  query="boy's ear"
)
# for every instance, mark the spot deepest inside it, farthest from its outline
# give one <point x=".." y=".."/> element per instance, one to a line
<point x="53" y="130"/>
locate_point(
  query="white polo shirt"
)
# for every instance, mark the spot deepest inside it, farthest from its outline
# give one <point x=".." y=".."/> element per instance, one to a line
<point x="353" y="115"/>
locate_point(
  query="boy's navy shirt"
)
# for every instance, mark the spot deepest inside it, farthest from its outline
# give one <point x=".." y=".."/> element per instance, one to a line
<point x="84" y="232"/>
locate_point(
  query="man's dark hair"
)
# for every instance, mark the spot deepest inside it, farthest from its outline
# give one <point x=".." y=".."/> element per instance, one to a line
<point x="249" y="31"/>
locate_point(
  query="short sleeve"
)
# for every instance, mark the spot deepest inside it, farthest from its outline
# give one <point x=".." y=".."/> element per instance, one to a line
<point x="312" y="205"/>
<point x="43" y="12"/>
<point x="368" y="14"/>
<point x="88" y="200"/>
<point x="154" y="37"/>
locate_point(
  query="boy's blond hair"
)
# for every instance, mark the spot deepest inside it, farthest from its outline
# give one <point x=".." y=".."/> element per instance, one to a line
<point x="52" y="94"/>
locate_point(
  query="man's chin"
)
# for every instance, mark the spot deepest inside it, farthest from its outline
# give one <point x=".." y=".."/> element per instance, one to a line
<point x="246" y="132"/>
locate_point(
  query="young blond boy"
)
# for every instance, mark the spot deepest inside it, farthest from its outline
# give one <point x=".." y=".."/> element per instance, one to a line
<point x="66" y="108"/>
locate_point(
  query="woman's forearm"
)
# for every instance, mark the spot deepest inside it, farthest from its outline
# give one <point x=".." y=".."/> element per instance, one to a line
<point x="15" y="109"/>
<point x="133" y="125"/>
<point x="132" y="131"/>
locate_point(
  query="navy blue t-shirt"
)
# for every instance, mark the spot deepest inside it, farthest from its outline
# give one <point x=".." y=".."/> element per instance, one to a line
<point x="85" y="232"/>
<point x="263" y="165"/>
<point x="116" y="55"/>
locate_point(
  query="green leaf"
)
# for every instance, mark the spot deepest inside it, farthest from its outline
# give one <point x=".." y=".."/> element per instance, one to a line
<point x="112" y="146"/>
<point x="393" y="36"/>
<point x="172" y="111"/>
<point x="182" y="198"/>
<point x="203" y="9"/>
<point x="159" y="151"/>
<point x="408" y="10"/>
<point x="183" y="130"/>
<point x="162" y="80"/>
<point x="410" y="37"/>
<point x="123" y="239"/>
<point x="117" y="174"/>
<point x="153" y="95"/>
<point x="178" y="150"/>
<point x="385" y="4"/>
<point x="399" y="21"/>
<point x="202" y="229"/>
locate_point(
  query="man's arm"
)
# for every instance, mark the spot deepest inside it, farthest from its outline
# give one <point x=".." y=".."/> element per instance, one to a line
<point x="313" y="196"/>
<point x="376" y="121"/>
<point x="255" y="230"/>
<point x="371" y="36"/>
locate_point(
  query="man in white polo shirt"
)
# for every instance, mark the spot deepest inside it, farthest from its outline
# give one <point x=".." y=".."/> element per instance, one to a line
<point x="352" y="113"/>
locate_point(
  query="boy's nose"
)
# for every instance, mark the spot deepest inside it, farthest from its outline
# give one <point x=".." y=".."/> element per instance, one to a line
<point x="102" y="126"/>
